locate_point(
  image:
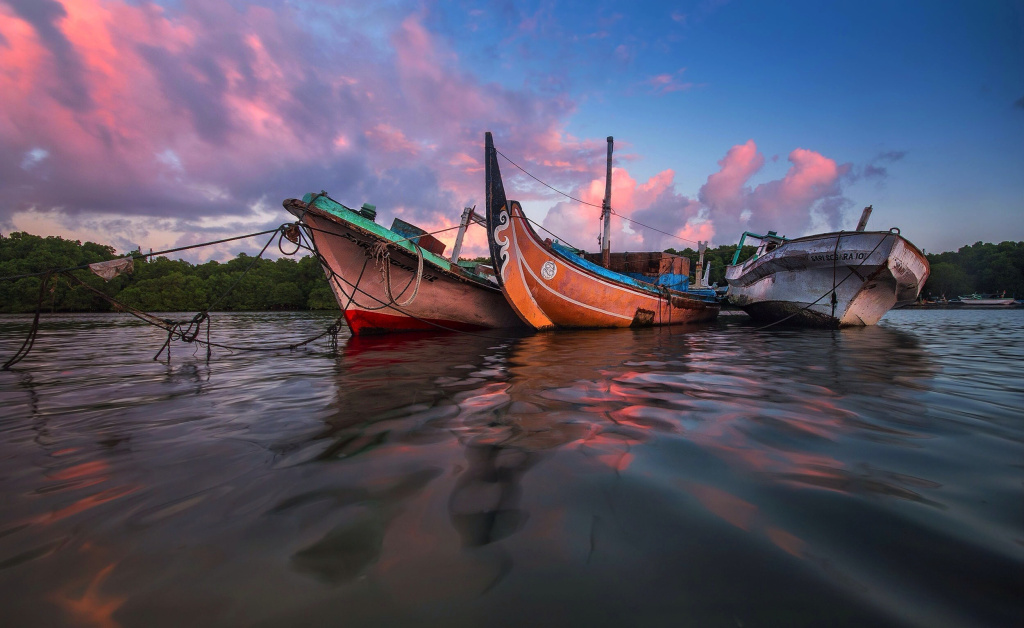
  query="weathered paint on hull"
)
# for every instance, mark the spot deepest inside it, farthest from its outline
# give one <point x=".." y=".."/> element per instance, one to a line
<point x="447" y="300"/>
<point x="872" y="272"/>
<point x="549" y="291"/>
<point x="365" y="323"/>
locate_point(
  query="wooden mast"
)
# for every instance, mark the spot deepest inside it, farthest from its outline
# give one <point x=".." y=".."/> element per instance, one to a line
<point x="467" y="217"/>
<point x="606" y="212"/>
<point x="864" y="218"/>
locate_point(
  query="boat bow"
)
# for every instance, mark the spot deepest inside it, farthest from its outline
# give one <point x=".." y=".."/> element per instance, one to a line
<point x="550" y="285"/>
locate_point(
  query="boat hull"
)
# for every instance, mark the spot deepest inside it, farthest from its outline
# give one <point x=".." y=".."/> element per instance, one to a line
<point x="985" y="302"/>
<point x="448" y="298"/>
<point x="550" y="290"/>
<point x="868" y="272"/>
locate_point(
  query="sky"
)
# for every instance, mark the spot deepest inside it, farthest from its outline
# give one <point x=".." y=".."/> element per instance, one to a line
<point x="160" y="124"/>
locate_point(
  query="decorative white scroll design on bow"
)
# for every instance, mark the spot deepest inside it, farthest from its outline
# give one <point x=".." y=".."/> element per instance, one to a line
<point x="503" y="242"/>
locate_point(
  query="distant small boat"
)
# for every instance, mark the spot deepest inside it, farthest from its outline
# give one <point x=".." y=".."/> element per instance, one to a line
<point x="395" y="280"/>
<point x="847" y="278"/>
<point x="986" y="299"/>
<point x="551" y="285"/>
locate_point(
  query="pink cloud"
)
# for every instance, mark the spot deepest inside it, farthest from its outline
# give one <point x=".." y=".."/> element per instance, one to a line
<point x="725" y="191"/>
<point x="164" y="126"/>
<point x="668" y="83"/>
<point x="653" y="216"/>
<point x="809" y="193"/>
<point x="669" y="219"/>
<point x="135" y="117"/>
<point x="213" y="108"/>
<point x="390" y="139"/>
<point x="811" y="182"/>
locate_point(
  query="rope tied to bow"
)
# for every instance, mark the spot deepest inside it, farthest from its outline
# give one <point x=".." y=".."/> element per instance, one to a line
<point x="382" y="255"/>
<point x="184" y="331"/>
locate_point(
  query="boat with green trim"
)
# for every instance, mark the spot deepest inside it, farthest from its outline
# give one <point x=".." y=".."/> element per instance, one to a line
<point x="396" y="280"/>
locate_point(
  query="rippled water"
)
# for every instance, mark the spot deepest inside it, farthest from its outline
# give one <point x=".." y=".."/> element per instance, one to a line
<point x="710" y="476"/>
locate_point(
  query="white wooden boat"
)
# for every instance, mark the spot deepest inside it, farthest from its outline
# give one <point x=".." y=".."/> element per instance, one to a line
<point x="386" y="281"/>
<point x="985" y="299"/>
<point x="847" y="278"/>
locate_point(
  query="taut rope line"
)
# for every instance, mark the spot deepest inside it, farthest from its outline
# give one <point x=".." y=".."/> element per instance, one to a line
<point x="185" y="331"/>
<point x="853" y="270"/>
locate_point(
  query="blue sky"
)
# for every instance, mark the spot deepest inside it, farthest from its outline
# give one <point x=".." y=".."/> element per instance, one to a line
<point x="157" y="125"/>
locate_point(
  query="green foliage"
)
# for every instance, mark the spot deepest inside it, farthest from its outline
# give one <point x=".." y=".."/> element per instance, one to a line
<point x="719" y="258"/>
<point x="948" y="279"/>
<point x="156" y="285"/>
<point x="26" y="254"/>
<point x="981" y="268"/>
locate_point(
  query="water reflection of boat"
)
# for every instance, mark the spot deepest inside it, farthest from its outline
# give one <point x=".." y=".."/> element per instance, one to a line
<point x="389" y="280"/>
<point x="831" y="279"/>
<point x="551" y="285"/>
<point x="478" y="462"/>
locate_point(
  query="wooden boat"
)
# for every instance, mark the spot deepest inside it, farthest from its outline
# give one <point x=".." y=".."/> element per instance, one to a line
<point x="395" y="280"/>
<point x="986" y="299"/>
<point x="827" y="280"/>
<point x="550" y="285"/>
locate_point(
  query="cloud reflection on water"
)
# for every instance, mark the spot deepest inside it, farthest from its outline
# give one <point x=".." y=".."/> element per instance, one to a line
<point x="585" y="475"/>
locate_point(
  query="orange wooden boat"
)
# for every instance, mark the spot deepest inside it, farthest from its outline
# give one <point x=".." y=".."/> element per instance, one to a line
<point x="550" y="285"/>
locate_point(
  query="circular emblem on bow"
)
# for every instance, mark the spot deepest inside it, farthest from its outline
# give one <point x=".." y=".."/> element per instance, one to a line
<point x="547" y="271"/>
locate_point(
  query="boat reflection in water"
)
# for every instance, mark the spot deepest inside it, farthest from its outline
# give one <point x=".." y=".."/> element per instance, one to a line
<point x="643" y="464"/>
<point x="721" y="475"/>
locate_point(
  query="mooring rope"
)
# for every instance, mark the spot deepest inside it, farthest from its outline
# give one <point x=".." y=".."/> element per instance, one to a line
<point x="30" y="340"/>
<point x="311" y="246"/>
<point x="382" y="255"/>
<point x="140" y="255"/>
<point x="338" y="280"/>
<point x="835" y="262"/>
<point x="185" y="331"/>
<point x="853" y="269"/>
<point x="190" y="333"/>
<point x="582" y="202"/>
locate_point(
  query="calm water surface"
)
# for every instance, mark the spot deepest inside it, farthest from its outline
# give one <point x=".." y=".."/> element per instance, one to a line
<point x="713" y="476"/>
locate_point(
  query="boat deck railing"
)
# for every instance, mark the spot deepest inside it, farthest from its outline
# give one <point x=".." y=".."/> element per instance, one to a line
<point x="770" y="237"/>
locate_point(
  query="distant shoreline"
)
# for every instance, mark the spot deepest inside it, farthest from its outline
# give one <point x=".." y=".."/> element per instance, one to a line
<point x="959" y="306"/>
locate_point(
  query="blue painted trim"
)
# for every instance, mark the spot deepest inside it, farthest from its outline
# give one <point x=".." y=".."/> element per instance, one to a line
<point x="673" y="282"/>
<point x="572" y="256"/>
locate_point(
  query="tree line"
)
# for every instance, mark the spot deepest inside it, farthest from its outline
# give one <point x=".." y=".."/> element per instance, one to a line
<point x="156" y="284"/>
<point x="160" y="284"/>
<point x="981" y="268"/>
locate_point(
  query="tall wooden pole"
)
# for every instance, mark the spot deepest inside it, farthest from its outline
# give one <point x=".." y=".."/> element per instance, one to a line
<point x="864" y="218"/>
<point x="606" y="212"/>
<point x="699" y="275"/>
<point x="467" y="216"/>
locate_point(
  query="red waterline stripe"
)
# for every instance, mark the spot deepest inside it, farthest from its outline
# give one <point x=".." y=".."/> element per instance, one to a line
<point x="364" y="323"/>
